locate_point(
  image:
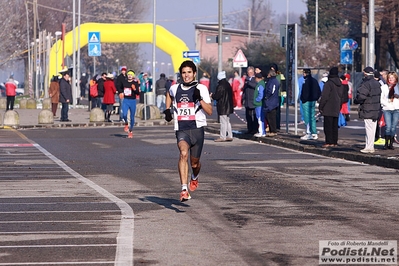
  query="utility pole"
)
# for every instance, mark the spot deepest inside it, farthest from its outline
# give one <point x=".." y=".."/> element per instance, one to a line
<point x="35" y="44"/>
<point x="371" y="34"/>
<point x="249" y="25"/>
<point x="220" y="38"/>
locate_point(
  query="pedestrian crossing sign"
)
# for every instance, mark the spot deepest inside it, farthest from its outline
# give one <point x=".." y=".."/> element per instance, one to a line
<point x="94" y="37"/>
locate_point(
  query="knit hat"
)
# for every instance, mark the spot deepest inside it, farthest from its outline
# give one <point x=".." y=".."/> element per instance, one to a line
<point x="123" y="68"/>
<point x="333" y="72"/>
<point x="258" y="75"/>
<point x="221" y="75"/>
<point x="368" y="71"/>
<point x="274" y="66"/>
<point x="130" y="72"/>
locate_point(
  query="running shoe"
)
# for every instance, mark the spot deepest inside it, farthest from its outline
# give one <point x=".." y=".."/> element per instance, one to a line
<point x="130" y="135"/>
<point x="126" y="129"/>
<point x="184" y="195"/>
<point x="307" y="137"/>
<point x="193" y="185"/>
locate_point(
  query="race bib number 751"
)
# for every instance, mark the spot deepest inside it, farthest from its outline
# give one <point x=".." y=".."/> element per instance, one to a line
<point x="185" y="111"/>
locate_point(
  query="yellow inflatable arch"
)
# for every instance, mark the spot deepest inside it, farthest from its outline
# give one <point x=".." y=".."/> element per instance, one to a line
<point x="120" y="33"/>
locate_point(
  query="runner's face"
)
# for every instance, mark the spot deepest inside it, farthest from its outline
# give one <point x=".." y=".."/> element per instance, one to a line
<point x="187" y="74"/>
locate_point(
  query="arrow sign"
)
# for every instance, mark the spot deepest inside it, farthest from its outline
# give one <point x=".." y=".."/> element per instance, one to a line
<point x="191" y="54"/>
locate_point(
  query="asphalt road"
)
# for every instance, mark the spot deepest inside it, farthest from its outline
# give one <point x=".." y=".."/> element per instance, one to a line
<point x="256" y="204"/>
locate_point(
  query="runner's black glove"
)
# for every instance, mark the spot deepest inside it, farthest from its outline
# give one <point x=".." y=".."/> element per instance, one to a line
<point x="168" y="115"/>
<point x="197" y="95"/>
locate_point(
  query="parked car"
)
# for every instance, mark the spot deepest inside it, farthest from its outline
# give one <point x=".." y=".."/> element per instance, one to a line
<point x="2" y="90"/>
<point x="20" y="91"/>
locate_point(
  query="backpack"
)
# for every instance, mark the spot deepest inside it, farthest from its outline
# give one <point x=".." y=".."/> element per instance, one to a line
<point x="94" y="90"/>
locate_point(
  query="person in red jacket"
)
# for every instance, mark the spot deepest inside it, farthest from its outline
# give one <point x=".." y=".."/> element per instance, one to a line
<point x="11" y="91"/>
<point x="109" y="96"/>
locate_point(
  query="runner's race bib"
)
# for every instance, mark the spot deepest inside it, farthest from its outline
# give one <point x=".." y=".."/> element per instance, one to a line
<point x="127" y="91"/>
<point x="185" y="111"/>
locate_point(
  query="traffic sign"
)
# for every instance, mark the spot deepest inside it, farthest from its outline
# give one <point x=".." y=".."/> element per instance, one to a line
<point x="348" y="45"/>
<point x="191" y="54"/>
<point x="94" y="49"/>
<point x="196" y="60"/>
<point x="240" y="60"/>
<point x="94" y="37"/>
<point x="347" y="57"/>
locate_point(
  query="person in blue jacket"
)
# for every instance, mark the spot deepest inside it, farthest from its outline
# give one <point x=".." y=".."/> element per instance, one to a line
<point x="271" y="102"/>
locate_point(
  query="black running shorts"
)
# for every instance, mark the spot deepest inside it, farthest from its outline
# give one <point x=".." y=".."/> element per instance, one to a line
<point x="194" y="138"/>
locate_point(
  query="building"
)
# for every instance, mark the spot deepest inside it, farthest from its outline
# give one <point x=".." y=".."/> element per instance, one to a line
<point x="233" y="39"/>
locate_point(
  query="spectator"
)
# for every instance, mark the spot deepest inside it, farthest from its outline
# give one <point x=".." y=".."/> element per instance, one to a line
<point x="237" y="84"/>
<point x="301" y="80"/>
<point x="310" y="94"/>
<point x="390" y="107"/>
<point x="271" y="102"/>
<point x="109" y="96"/>
<point x="205" y="80"/>
<point x="279" y="77"/>
<point x="11" y="91"/>
<point x="119" y="87"/>
<point x="368" y="97"/>
<point x="160" y="90"/>
<point x="54" y="93"/>
<point x="145" y="85"/>
<point x="248" y="93"/>
<point x="350" y="92"/>
<point x="344" y="108"/>
<point x="83" y="86"/>
<point x="323" y="80"/>
<point x="96" y="101"/>
<point x="224" y="106"/>
<point x="65" y="94"/>
<point x="329" y="107"/>
<point x="258" y="99"/>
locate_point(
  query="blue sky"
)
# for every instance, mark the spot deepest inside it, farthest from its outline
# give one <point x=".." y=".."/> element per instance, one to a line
<point x="179" y="16"/>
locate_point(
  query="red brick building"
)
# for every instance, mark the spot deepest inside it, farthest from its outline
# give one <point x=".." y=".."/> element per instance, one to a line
<point x="233" y="39"/>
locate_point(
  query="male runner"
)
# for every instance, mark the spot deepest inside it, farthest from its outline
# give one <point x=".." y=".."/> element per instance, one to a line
<point x="191" y="102"/>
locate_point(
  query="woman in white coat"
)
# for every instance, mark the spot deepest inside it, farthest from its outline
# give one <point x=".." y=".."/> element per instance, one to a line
<point x="390" y="108"/>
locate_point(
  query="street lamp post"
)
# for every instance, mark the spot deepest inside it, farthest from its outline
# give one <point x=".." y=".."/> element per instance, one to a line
<point x="162" y="68"/>
<point x="57" y="34"/>
<point x="169" y="64"/>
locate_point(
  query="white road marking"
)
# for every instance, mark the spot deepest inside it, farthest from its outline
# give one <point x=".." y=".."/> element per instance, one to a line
<point x="124" y="240"/>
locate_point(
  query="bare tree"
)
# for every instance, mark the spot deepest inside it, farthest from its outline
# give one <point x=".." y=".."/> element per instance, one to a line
<point x="50" y="16"/>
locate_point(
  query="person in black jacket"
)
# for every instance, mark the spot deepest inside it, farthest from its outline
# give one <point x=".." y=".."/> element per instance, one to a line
<point x="368" y="97"/>
<point x="65" y="94"/>
<point x="224" y="97"/>
<point x="119" y="87"/>
<point x="330" y="104"/>
<point x="248" y="95"/>
<point x="310" y="94"/>
<point x="96" y="101"/>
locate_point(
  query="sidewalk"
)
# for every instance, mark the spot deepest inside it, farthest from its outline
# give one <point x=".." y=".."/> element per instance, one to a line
<point x="349" y="146"/>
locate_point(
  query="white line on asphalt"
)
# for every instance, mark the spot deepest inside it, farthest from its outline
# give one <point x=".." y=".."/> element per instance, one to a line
<point x="58" y="246"/>
<point x="102" y="211"/>
<point x="58" y="263"/>
<point x="124" y="240"/>
<point x="57" y="232"/>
